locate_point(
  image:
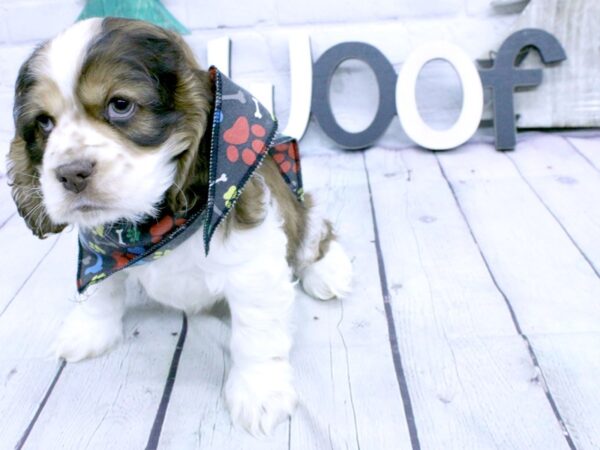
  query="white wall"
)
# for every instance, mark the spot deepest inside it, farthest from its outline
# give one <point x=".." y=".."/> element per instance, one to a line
<point x="259" y="31"/>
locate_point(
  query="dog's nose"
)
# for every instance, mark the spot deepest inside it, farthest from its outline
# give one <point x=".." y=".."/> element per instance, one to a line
<point x="74" y="176"/>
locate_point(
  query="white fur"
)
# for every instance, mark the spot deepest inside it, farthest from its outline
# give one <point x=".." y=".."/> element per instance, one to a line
<point x="331" y="276"/>
<point x="126" y="184"/>
<point x="94" y="327"/>
<point x="65" y="53"/>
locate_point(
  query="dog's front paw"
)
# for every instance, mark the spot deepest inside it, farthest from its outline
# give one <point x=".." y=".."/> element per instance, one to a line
<point x="83" y="336"/>
<point x="260" y="396"/>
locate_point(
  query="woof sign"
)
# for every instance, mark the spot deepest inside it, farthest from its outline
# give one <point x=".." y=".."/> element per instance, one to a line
<point x="310" y="84"/>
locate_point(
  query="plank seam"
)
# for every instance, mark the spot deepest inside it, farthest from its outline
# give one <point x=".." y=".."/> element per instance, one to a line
<point x="161" y="413"/>
<point x="348" y="375"/>
<point x="574" y="147"/>
<point x="30" y="275"/>
<point x="513" y="315"/>
<point x="41" y="406"/>
<point x="393" y="339"/>
<point x="8" y="219"/>
<point x="289" y="446"/>
<point x="533" y="190"/>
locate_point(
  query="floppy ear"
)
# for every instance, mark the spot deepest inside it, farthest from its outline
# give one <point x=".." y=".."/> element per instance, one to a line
<point x="24" y="180"/>
<point x="195" y="99"/>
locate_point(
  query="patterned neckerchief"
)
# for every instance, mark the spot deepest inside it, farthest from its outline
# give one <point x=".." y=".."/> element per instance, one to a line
<point x="243" y="133"/>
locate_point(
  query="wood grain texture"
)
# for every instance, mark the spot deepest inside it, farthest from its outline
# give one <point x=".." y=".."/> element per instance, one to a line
<point x="567" y="186"/>
<point x="562" y="173"/>
<point x="468" y="370"/>
<point x="20" y="257"/>
<point x="571" y="368"/>
<point x="27" y="328"/>
<point x="346" y="375"/>
<point x="551" y="286"/>
<point x="588" y="148"/>
<point x="111" y="401"/>
<point x="92" y="400"/>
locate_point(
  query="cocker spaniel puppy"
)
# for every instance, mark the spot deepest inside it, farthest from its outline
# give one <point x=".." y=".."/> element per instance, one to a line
<point x="178" y="183"/>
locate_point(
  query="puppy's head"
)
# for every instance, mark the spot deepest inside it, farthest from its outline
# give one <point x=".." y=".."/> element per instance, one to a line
<point x="109" y="117"/>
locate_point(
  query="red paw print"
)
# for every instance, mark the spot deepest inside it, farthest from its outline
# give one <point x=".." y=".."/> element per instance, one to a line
<point x="239" y="136"/>
<point x="163" y="226"/>
<point x="286" y="156"/>
<point x="121" y="259"/>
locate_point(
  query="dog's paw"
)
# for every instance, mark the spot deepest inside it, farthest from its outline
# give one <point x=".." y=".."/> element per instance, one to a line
<point x="331" y="276"/>
<point x="261" y="396"/>
<point x="83" y="336"/>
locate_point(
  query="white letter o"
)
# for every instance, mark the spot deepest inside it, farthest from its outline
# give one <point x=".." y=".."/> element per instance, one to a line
<point x="406" y="100"/>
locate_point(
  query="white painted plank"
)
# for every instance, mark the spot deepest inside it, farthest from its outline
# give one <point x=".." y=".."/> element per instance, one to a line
<point x="468" y="371"/>
<point x="111" y="401"/>
<point x="346" y="348"/>
<point x="589" y="148"/>
<point x="20" y="255"/>
<point x="27" y="328"/>
<point x="344" y="371"/>
<point x="567" y="184"/>
<point x="575" y="385"/>
<point x="551" y="286"/>
<point x="562" y="173"/>
<point x="24" y="385"/>
<point x="42" y="303"/>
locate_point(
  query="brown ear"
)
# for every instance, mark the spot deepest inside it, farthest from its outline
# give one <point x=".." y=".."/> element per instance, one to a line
<point x="195" y="101"/>
<point x="24" y="180"/>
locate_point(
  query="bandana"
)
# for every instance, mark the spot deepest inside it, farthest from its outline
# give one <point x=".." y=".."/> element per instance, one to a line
<point x="243" y="133"/>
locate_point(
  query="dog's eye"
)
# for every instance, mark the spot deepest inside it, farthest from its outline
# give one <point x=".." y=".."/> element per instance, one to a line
<point x="45" y="122"/>
<point x="120" y="109"/>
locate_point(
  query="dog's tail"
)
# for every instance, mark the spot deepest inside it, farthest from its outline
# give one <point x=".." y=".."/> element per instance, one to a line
<point x="325" y="270"/>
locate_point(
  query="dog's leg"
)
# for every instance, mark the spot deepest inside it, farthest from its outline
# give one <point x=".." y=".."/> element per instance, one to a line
<point x="95" y="325"/>
<point x="259" y="390"/>
<point x="324" y="268"/>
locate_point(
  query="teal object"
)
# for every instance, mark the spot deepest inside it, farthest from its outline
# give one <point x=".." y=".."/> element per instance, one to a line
<point x="151" y="11"/>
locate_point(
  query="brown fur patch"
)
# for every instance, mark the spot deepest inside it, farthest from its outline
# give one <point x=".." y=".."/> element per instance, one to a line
<point x="326" y="240"/>
<point x="45" y="97"/>
<point x="25" y="182"/>
<point x="34" y="95"/>
<point x="249" y="210"/>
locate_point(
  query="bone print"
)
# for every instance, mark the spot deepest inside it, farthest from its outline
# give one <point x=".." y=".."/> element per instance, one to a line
<point x="221" y="179"/>
<point x="257" y="113"/>
<point x="239" y="96"/>
<point x="120" y="234"/>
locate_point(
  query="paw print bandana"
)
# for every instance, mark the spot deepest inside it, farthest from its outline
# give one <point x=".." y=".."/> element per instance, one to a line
<point x="243" y="134"/>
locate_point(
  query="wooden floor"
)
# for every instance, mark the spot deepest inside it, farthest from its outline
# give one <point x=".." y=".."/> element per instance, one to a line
<point x="474" y="321"/>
